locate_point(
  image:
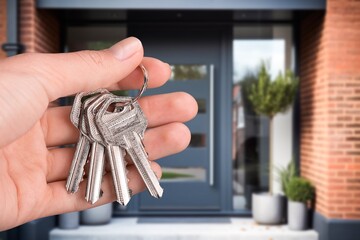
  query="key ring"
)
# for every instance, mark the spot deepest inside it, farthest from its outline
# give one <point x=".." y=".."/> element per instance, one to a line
<point x="143" y="88"/>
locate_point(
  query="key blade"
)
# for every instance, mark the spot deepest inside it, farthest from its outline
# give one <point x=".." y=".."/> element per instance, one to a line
<point x="96" y="170"/>
<point x="138" y="154"/>
<point x="77" y="166"/>
<point x="115" y="156"/>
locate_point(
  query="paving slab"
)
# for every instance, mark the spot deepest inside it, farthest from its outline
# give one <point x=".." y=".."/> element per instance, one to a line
<point x="167" y="229"/>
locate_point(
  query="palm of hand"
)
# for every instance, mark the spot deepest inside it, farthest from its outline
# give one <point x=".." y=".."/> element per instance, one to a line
<point x="23" y="173"/>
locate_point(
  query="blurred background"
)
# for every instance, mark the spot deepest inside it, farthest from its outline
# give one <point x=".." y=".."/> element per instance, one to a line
<point x="215" y="49"/>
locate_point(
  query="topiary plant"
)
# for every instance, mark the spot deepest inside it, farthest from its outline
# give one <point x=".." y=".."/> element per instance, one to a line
<point x="269" y="97"/>
<point x="300" y="190"/>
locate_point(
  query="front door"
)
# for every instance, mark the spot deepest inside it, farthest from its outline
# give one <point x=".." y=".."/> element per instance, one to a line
<point x="191" y="179"/>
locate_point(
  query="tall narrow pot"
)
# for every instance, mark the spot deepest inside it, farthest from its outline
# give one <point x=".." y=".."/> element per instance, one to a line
<point x="98" y="215"/>
<point x="297" y="216"/>
<point x="69" y="220"/>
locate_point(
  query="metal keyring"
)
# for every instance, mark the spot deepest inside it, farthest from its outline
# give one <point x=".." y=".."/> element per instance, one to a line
<point x="143" y="88"/>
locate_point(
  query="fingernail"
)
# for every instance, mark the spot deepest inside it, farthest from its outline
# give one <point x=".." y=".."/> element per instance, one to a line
<point x="126" y="48"/>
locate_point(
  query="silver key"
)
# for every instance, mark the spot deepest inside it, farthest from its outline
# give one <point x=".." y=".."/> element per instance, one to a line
<point x="115" y="156"/>
<point x="76" y="172"/>
<point x="126" y="129"/>
<point x="96" y="169"/>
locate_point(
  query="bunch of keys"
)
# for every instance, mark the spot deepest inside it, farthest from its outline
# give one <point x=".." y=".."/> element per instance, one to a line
<point x="110" y="135"/>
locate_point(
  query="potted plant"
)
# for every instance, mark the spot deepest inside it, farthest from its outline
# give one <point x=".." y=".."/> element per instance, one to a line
<point x="269" y="97"/>
<point x="299" y="192"/>
<point x="285" y="174"/>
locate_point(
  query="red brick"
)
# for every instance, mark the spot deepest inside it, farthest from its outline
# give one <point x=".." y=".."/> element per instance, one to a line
<point x="330" y="88"/>
<point x="39" y="29"/>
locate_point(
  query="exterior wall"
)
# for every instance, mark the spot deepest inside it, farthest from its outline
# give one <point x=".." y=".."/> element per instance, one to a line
<point x="39" y="29"/>
<point x="330" y="115"/>
<point x="3" y="27"/>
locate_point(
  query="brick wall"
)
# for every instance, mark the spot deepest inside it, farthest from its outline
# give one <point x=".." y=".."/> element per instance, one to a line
<point x="39" y="29"/>
<point x="3" y="27"/>
<point x="330" y="107"/>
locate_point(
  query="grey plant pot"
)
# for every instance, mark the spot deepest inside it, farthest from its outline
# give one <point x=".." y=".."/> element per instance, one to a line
<point x="69" y="220"/>
<point x="297" y="216"/>
<point x="268" y="209"/>
<point x="97" y="216"/>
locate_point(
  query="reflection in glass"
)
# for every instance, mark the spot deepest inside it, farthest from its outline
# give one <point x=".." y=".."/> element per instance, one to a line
<point x="93" y="37"/>
<point x="201" y="105"/>
<point x="183" y="72"/>
<point x="197" y="140"/>
<point x="183" y="174"/>
<point x="250" y="131"/>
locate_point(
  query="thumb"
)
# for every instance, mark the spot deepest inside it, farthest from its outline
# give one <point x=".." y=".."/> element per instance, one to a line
<point x="68" y="73"/>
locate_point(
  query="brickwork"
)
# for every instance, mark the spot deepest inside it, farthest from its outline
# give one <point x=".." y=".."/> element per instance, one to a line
<point x="39" y="29"/>
<point x="330" y="107"/>
<point x="3" y="27"/>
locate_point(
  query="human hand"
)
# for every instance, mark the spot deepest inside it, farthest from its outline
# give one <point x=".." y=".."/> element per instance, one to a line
<point x="33" y="169"/>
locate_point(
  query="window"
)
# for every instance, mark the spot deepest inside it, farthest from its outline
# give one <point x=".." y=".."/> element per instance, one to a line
<point x="251" y="46"/>
<point x="93" y="37"/>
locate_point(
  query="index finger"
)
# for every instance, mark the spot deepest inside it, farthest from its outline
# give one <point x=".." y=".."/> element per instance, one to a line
<point x="158" y="71"/>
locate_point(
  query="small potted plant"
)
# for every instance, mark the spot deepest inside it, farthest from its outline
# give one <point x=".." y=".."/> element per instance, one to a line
<point x="285" y="175"/>
<point x="269" y="97"/>
<point x="299" y="192"/>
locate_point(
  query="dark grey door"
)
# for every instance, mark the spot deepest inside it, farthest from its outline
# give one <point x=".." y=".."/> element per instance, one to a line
<point x="190" y="179"/>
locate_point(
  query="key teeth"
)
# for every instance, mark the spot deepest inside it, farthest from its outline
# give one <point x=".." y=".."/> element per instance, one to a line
<point x="124" y="202"/>
<point x="155" y="195"/>
<point x="71" y="190"/>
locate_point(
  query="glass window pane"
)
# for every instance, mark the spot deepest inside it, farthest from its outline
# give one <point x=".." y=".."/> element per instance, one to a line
<point x="183" y="174"/>
<point x="251" y="46"/>
<point x="197" y="140"/>
<point x="93" y="37"/>
<point x="184" y="72"/>
<point x="201" y="105"/>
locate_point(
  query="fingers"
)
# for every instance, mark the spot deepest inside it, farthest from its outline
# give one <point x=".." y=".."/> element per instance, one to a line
<point x="159" y="110"/>
<point x="166" y="140"/>
<point x="61" y="201"/>
<point x="174" y="138"/>
<point x="158" y="73"/>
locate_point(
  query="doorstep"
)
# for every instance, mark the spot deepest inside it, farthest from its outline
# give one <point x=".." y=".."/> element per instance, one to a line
<point x="165" y="228"/>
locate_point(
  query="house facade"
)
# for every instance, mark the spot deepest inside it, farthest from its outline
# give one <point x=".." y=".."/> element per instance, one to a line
<point x="215" y="48"/>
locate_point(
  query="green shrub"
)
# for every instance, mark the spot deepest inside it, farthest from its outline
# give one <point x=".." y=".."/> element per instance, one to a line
<point x="286" y="174"/>
<point x="300" y="190"/>
<point x="269" y="97"/>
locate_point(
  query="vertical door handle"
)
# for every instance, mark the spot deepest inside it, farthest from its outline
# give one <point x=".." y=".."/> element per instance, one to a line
<point x="211" y="127"/>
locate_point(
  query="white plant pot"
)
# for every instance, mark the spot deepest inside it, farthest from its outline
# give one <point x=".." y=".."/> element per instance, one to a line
<point x="69" y="220"/>
<point x="297" y="216"/>
<point x="268" y="209"/>
<point x="97" y="216"/>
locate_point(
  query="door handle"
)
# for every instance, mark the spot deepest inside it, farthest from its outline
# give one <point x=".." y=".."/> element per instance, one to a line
<point x="211" y="126"/>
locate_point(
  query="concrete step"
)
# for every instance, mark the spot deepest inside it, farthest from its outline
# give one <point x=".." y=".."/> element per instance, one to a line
<point x="182" y="228"/>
